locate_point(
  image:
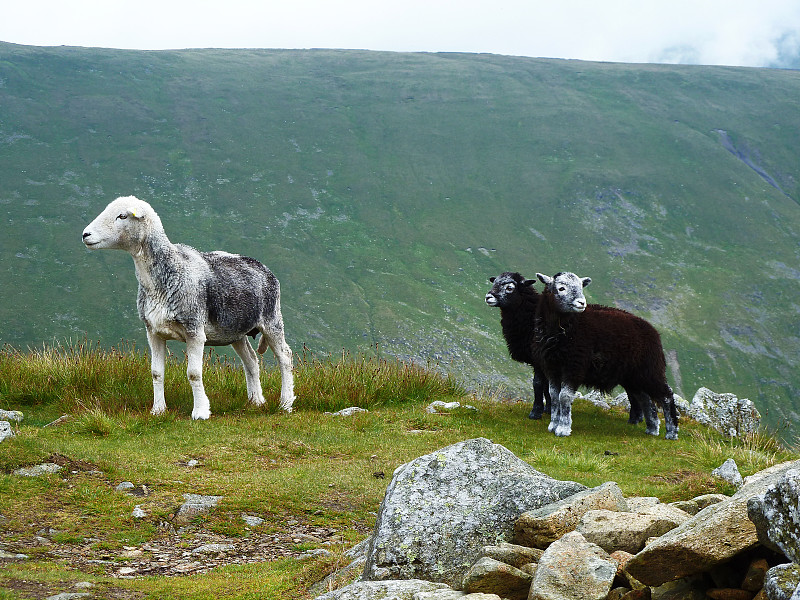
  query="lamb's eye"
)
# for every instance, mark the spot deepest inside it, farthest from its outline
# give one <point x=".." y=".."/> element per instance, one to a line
<point x="122" y="216"/>
<point x="561" y="288"/>
<point x="510" y="287"/>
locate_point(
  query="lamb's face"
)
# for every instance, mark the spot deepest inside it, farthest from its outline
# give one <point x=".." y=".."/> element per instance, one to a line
<point x="567" y="291"/>
<point x="120" y="226"/>
<point x="505" y="291"/>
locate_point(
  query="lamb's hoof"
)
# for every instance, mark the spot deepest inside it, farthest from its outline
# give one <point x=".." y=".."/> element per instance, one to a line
<point x="563" y="431"/>
<point x="156" y="412"/>
<point x="287" y="406"/>
<point x="672" y="436"/>
<point x="201" y="415"/>
<point x="551" y="426"/>
<point x="535" y="415"/>
<point x="653" y="432"/>
<point x="257" y="400"/>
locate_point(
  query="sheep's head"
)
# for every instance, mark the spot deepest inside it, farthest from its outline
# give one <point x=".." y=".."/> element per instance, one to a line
<point x="506" y="289"/>
<point x="567" y="291"/>
<point x="123" y="225"/>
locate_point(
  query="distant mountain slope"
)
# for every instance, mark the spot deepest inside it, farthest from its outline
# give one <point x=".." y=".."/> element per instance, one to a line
<point x="384" y="189"/>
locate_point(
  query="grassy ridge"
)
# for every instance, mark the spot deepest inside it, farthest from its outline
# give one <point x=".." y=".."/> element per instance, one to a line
<point x="306" y="468"/>
<point x="384" y="189"/>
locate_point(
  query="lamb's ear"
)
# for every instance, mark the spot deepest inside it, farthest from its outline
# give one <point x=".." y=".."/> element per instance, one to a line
<point x="491" y="279"/>
<point x="586" y="281"/>
<point x="528" y="282"/>
<point x="544" y="279"/>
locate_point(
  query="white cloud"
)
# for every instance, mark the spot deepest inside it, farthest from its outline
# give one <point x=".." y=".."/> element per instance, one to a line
<point x="694" y="31"/>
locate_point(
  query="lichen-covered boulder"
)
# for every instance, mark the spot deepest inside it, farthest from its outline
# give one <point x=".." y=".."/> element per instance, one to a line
<point x="726" y="413"/>
<point x="441" y="509"/>
<point x="775" y="514"/>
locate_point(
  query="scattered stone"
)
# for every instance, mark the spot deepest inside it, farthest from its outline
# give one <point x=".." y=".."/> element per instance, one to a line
<point x="729" y="594"/>
<point x="11" y="415"/>
<point x="695" y="505"/>
<point x="195" y="504"/>
<point x="5" y="430"/>
<point x="192" y="463"/>
<point x="252" y="520"/>
<point x="491" y="576"/>
<point x="83" y="585"/>
<point x="124" y="486"/>
<point x="348" y="412"/>
<point x="69" y="596"/>
<point x="726" y="413"/>
<point x="38" y="470"/>
<point x="597" y="398"/>
<point x="639" y="503"/>
<point x="214" y="549"/>
<point x="711" y="537"/>
<point x="572" y="568"/>
<point x="441" y="509"/>
<point x="454" y="595"/>
<point x="138" y="512"/>
<point x="438" y="406"/>
<point x="383" y="590"/>
<point x="540" y="527"/>
<point x="11" y="556"/>
<point x="729" y="471"/>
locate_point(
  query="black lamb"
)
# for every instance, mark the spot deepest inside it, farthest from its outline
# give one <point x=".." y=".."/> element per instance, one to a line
<point x="599" y="349"/>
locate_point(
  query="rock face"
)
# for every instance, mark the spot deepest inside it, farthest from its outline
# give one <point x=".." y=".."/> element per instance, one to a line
<point x="776" y="514"/>
<point x="726" y="413"/>
<point x="572" y="568"/>
<point x="441" y="509"/>
<point x="713" y="536"/>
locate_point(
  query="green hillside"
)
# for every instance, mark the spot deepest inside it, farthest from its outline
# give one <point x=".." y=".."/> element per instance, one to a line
<point x="384" y="189"/>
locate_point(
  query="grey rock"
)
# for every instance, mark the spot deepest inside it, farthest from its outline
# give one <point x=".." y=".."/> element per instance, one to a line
<point x="11" y="556"/>
<point x="695" y="505"/>
<point x="383" y="590"/>
<point x="540" y="527"/>
<point x="358" y="559"/>
<point x="729" y="471"/>
<point x="781" y="582"/>
<point x="347" y="412"/>
<point x="454" y="595"/>
<point x="138" y="512"/>
<point x="317" y="552"/>
<point x="726" y="413"/>
<point x="438" y="406"/>
<point x="513" y="554"/>
<point x="613" y="530"/>
<point x="196" y="504"/>
<point x="775" y="515"/>
<point x="38" y="470"/>
<point x="252" y="520"/>
<point x="491" y="576"/>
<point x="5" y="430"/>
<point x="124" y="486"/>
<point x="214" y="549"/>
<point x="711" y="537"/>
<point x="69" y="596"/>
<point x="441" y="509"/>
<point x="11" y="415"/>
<point x="637" y="503"/>
<point x="572" y="568"/>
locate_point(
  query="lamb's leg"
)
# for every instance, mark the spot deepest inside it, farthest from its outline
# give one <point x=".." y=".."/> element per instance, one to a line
<point x="565" y="397"/>
<point x="538" y="397"/>
<point x="555" y="413"/>
<point x="636" y="412"/>
<point x="670" y="416"/>
<point x="648" y="409"/>
<point x="158" y="354"/>
<point x="194" y="371"/>
<point x="250" y="364"/>
<point x="283" y="354"/>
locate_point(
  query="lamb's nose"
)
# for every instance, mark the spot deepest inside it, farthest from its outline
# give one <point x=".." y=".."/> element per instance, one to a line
<point x="86" y="234"/>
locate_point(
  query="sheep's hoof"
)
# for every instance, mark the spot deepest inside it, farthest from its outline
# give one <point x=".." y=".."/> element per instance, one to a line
<point x="653" y="432"/>
<point x="535" y="415"/>
<point x="563" y="431"/>
<point x="257" y="400"/>
<point x="551" y="426"/>
<point x="672" y="436"/>
<point x="158" y="411"/>
<point x="201" y="415"/>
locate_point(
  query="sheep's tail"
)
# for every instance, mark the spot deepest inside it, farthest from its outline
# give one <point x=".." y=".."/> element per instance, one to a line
<point x="263" y="344"/>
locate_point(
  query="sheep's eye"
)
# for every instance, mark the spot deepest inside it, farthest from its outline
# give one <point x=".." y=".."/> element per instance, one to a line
<point x="510" y="287"/>
<point x="561" y="288"/>
<point x="122" y="216"/>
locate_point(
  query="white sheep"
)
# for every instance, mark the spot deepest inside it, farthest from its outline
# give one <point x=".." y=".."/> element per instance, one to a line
<point x="200" y="298"/>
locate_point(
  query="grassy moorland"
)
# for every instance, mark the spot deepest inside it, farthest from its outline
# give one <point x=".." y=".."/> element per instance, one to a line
<point x="383" y="189"/>
<point x="316" y="480"/>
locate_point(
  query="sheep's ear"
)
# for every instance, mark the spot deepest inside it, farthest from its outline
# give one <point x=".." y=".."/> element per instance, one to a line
<point x="528" y="282"/>
<point x="491" y="279"/>
<point x="544" y="279"/>
<point x="586" y="281"/>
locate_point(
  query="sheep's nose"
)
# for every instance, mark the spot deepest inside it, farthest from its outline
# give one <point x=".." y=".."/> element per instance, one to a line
<point x="86" y="234"/>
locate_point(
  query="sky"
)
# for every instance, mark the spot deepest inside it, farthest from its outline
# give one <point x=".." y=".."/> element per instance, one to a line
<point x="713" y="32"/>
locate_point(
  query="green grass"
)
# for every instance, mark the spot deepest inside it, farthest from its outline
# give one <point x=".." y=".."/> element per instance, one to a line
<point x="309" y="467"/>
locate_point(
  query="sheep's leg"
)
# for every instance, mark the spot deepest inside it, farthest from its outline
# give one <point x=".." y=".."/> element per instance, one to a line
<point x="565" y="397"/>
<point x="636" y="414"/>
<point x="250" y="364"/>
<point x="538" y="408"/>
<point x="194" y="371"/>
<point x="283" y="354"/>
<point x="158" y="355"/>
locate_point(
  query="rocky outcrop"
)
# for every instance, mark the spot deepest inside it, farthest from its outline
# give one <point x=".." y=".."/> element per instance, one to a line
<point x="594" y="543"/>
<point x="726" y="413"/>
<point x="441" y="509"/>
